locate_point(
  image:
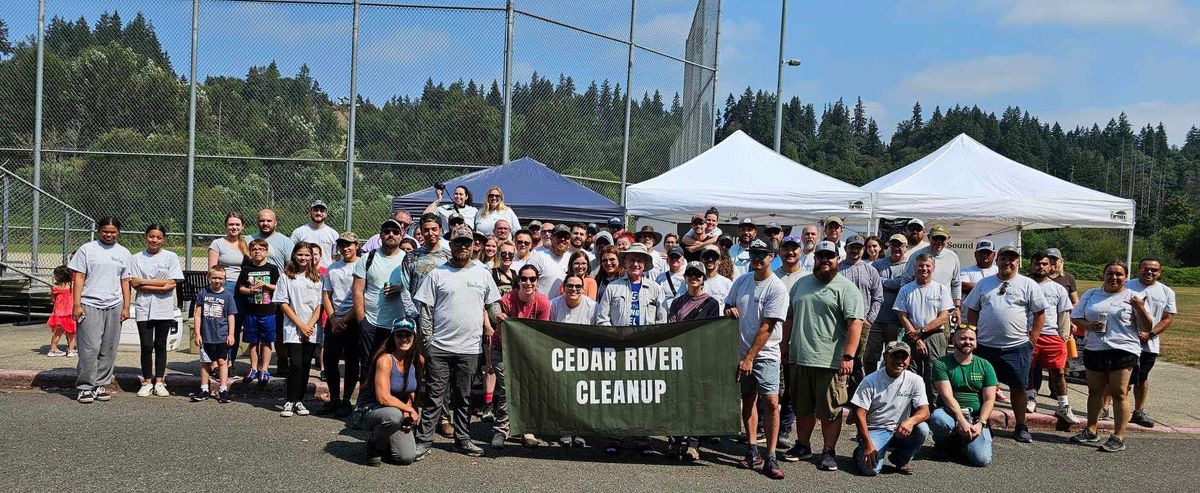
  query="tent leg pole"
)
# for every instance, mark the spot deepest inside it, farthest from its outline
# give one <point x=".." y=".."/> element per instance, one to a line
<point x="1129" y="249"/>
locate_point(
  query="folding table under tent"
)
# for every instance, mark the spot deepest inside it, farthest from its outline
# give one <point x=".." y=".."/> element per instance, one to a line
<point x="530" y="188"/>
<point x="979" y="192"/>
<point x="743" y="178"/>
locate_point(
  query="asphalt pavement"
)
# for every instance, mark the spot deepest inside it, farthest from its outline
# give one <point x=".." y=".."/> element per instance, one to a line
<point x="168" y="444"/>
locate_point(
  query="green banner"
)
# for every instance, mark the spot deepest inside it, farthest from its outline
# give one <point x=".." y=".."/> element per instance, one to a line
<point x="656" y="380"/>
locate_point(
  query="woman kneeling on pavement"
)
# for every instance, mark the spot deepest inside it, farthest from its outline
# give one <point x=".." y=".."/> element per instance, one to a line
<point x="1112" y="316"/>
<point x="391" y="418"/>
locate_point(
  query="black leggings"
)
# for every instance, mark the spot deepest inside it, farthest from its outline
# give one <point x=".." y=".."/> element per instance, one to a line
<point x="301" y="354"/>
<point x="343" y="346"/>
<point x="153" y="334"/>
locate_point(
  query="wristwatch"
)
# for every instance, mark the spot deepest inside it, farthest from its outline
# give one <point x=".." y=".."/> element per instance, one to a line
<point x="847" y="357"/>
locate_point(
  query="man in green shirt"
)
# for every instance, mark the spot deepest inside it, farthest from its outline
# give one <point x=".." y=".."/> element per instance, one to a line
<point x="967" y="386"/>
<point x="827" y="315"/>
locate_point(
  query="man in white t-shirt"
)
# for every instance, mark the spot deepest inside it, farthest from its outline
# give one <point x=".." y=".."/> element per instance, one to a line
<point x="915" y="231"/>
<point x="759" y="301"/>
<point x="671" y="280"/>
<point x="715" y="284"/>
<point x="316" y="231"/>
<point x="1050" y="348"/>
<point x="889" y="410"/>
<point x="808" y="244"/>
<point x="923" y="306"/>
<point x="554" y="262"/>
<point x="739" y="252"/>
<point x="985" y="265"/>
<point x="1008" y="311"/>
<point x="1160" y="302"/>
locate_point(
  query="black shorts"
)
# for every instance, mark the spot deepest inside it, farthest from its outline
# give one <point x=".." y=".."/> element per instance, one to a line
<point x="1145" y="364"/>
<point x="216" y="351"/>
<point x="1109" y="360"/>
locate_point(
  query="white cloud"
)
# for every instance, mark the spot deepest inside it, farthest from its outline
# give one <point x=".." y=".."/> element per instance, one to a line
<point x="1176" y="116"/>
<point x="407" y="45"/>
<point x="1166" y="17"/>
<point x="981" y="77"/>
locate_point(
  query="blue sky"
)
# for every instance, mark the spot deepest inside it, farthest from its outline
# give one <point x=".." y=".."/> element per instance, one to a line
<point x="1072" y="61"/>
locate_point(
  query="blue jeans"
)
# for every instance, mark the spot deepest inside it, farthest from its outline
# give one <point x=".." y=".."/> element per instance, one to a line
<point x="903" y="448"/>
<point x="978" y="451"/>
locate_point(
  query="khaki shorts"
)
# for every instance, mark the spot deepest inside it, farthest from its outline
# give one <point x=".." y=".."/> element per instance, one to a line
<point x="818" y="392"/>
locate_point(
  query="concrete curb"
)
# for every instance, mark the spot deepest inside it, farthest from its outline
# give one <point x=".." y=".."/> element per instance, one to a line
<point x="178" y="385"/>
<point x="1003" y="419"/>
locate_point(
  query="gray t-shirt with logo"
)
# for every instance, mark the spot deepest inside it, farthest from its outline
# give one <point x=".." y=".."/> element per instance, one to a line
<point x="456" y="298"/>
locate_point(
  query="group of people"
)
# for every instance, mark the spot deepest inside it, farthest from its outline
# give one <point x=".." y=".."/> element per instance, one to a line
<point x="414" y="314"/>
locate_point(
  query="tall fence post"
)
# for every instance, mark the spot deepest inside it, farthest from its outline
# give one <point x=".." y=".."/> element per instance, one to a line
<point x="37" y="134"/>
<point x="712" y="141"/>
<point x="4" y="224"/>
<point x="191" y="153"/>
<point x="628" y="100"/>
<point x="350" y="119"/>
<point x="508" y="46"/>
<point x="66" y="243"/>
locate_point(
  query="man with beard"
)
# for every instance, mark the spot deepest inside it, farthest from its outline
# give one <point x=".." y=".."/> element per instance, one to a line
<point x="381" y="296"/>
<point x="739" y="252"/>
<point x="915" y="231"/>
<point x="827" y="313"/>
<point x="316" y="231"/>
<point x="889" y="409"/>
<point x="418" y="263"/>
<point x="808" y="243"/>
<point x="1050" y="348"/>
<point x="453" y="299"/>
<point x="1009" y="310"/>
<point x="647" y="236"/>
<point x="967" y="386"/>
<point x="1160" y="302"/>
<point x="502" y="230"/>
<point x="553" y="263"/>
<point x="278" y="254"/>
<point x="985" y="265"/>
<point x="579" y="236"/>
<point x="923" y="307"/>
<point x="866" y="278"/>
<point x="833" y="233"/>
<point x="887" y="324"/>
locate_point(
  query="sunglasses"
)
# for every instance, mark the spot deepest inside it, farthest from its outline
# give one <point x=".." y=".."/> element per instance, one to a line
<point x="759" y="255"/>
<point x="523" y="242"/>
<point x="462" y="243"/>
<point x="1003" y="288"/>
<point x="393" y="232"/>
<point x="528" y="278"/>
<point x="507" y="254"/>
<point x="708" y="258"/>
<point x="825" y="256"/>
<point x="697" y="223"/>
<point x="573" y="287"/>
<point x="493" y="196"/>
<point x="694" y="275"/>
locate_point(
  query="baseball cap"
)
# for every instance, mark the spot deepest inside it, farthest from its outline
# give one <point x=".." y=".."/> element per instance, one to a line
<point x="710" y="248"/>
<point x="772" y="226"/>
<point x="1053" y="252"/>
<point x="460" y="234"/>
<point x="561" y="230"/>
<point x="896" y="347"/>
<point x="833" y="219"/>
<point x="759" y="246"/>
<point x="592" y="228"/>
<point x="455" y="217"/>
<point x="939" y="230"/>
<point x="1010" y="249"/>
<point x="350" y="237"/>
<point x="826" y="246"/>
<point x="898" y="237"/>
<point x="747" y="222"/>
<point x="404" y="325"/>
<point x="535" y="225"/>
<point x="675" y="251"/>
<point x="985" y="245"/>
<point x="793" y="239"/>
<point x="318" y="203"/>
<point x="915" y="222"/>
<point x="694" y="266"/>
<point x="390" y="223"/>
<point x="856" y="240"/>
<point x="725" y="239"/>
<point x="616" y="221"/>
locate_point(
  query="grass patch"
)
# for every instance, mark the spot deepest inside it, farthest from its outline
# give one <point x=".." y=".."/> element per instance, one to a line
<point x="1181" y="342"/>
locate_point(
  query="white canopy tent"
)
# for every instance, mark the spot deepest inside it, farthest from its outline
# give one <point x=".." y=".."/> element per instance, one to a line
<point x="979" y="192"/>
<point x="744" y="178"/>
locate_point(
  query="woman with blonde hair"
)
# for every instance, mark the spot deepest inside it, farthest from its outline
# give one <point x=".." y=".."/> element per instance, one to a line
<point x="494" y="209"/>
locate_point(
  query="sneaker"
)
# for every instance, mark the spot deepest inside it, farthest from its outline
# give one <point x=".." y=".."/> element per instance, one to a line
<point x="300" y="409"/>
<point x="488" y="417"/>
<point x="72" y="353"/>
<point x="645" y="450"/>
<point x="1113" y="444"/>
<point x="102" y="394"/>
<point x="160" y="390"/>
<point x="1031" y="404"/>
<point x="146" y="389"/>
<point x="469" y="449"/>
<point x="55" y="353"/>
<point x="798" y="453"/>
<point x="223" y="396"/>
<point x="498" y="440"/>
<point x="1085" y="436"/>
<point x="771" y="468"/>
<point x="264" y="377"/>
<point x="530" y="441"/>
<point x="374" y="456"/>
<point x="784" y="443"/>
<point x="85" y="397"/>
<point x="752" y="459"/>
<point x="199" y="395"/>
<point x="828" y="461"/>
<point x="250" y="377"/>
<point x="422" y="449"/>
<point x="578" y="442"/>
<point x="287" y="410"/>
<point x="905" y="469"/>
<point x="565" y="440"/>
<point x="1105" y="414"/>
<point x="1067" y="414"/>
<point x="1140" y="418"/>
<point x="1021" y="434"/>
<point x="690" y="453"/>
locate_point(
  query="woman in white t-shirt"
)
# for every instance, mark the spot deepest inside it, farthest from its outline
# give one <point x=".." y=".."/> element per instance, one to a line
<point x="1112" y="316"/>
<point x="155" y="272"/>
<point x="101" y="270"/>
<point x="573" y="307"/>
<point x="299" y="297"/>
<point x="494" y="209"/>
<point x="461" y="205"/>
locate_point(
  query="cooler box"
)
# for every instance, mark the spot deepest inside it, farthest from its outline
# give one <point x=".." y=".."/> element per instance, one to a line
<point x="131" y="341"/>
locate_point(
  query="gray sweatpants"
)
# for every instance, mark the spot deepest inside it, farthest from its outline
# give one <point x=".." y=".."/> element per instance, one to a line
<point x="385" y="423"/>
<point x="97" y="337"/>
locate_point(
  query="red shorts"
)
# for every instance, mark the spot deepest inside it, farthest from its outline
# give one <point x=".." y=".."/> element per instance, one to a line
<point x="67" y="323"/>
<point x="1050" y="352"/>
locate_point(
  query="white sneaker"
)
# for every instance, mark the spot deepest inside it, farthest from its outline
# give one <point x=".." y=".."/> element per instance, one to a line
<point x="1067" y="414"/>
<point x="1031" y="403"/>
<point x="55" y="353"/>
<point x="160" y="390"/>
<point x="287" y="410"/>
<point x="146" y="389"/>
<point x="72" y="354"/>
<point x="300" y="409"/>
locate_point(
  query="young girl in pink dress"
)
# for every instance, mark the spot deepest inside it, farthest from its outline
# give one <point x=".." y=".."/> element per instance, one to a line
<point x="62" y="321"/>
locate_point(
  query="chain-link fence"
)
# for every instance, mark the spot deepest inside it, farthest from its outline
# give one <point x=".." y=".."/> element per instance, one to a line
<point x="96" y="107"/>
<point x="31" y="251"/>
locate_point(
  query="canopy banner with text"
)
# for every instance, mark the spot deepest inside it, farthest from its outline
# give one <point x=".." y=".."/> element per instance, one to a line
<point x="671" y="379"/>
